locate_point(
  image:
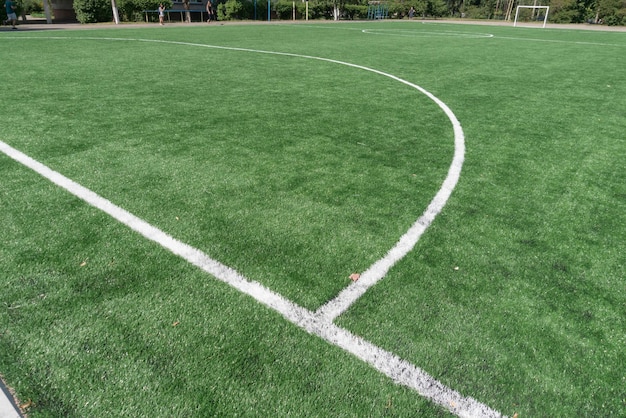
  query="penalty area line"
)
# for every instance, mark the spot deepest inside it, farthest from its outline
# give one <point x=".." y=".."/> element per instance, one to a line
<point x="400" y="371"/>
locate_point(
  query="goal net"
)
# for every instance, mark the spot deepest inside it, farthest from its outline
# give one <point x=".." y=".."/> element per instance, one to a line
<point x="531" y="14"/>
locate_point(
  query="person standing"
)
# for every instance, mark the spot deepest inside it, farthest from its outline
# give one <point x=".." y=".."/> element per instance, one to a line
<point x="187" y="11"/>
<point x="411" y="12"/>
<point x="10" y="7"/>
<point x="209" y="10"/>
<point x="161" y="14"/>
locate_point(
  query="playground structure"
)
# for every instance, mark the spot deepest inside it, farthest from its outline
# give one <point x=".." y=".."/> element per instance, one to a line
<point x="377" y="10"/>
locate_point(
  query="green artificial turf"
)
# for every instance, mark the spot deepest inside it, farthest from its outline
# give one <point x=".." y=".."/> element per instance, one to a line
<point x="298" y="172"/>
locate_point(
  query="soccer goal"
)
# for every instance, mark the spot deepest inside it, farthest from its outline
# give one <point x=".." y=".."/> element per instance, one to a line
<point x="528" y="16"/>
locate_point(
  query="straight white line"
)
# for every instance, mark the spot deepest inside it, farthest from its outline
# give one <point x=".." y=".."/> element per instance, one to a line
<point x="558" y="41"/>
<point x="419" y="33"/>
<point x="387" y="363"/>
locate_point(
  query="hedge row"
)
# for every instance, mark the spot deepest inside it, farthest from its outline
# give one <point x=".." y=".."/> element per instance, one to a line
<point x="567" y="11"/>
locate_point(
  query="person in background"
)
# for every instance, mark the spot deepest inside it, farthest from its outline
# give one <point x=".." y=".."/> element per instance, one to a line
<point x="161" y="14"/>
<point x="209" y="10"/>
<point x="10" y="7"/>
<point x="187" y="11"/>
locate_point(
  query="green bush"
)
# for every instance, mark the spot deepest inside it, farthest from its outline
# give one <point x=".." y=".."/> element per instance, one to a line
<point x="283" y="9"/>
<point x="423" y="8"/>
<point x="261" y="10"/>
<point x="32" y="6"/>
<point x="437" y="8"/>
<point x="92" y="11"/>
<point x="235" y="10"/>
<point x="420" y="6"/>
<point x="320" y="9"/>
<point x="478" y="12"/>
<point x="355" y="11"/>
<point x="563" y="16"/>
<point x="614" y="20"/>
<point x="132" y="10"/>
<point x="398" y="10"/>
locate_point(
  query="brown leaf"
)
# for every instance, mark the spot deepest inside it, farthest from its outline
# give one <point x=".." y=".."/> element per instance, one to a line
<point x="175" y="323"/>
<point x="26" y="405"/>
<point x="354" y="277"/>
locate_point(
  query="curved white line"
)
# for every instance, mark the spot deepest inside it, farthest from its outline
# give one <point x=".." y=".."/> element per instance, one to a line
<point x="407" y="242"/>
<point x="317" y="323"/>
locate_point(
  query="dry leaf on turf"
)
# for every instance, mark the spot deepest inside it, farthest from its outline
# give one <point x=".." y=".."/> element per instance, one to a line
<point x="26" y="405"/>
<point x="354" y="277"/>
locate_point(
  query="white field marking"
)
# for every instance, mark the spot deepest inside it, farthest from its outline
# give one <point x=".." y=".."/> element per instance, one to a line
<point x="415" y="33"/>
<point x="377" y="31"/>
<point x="404" y="32"/>
<point x="319" y="323"/>
<point x="513" y="38"/>
<point x="400" y="371"/>
<point x="379" y="269"/>
<point x="558" y="41"/>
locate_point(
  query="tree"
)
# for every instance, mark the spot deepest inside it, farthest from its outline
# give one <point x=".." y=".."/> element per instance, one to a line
<point x="234" y="9"/>
<point x="420" y="6"/>
<point x="454" y="6"/>
<point x="612" y="11"/>
<point x="131" y="10"/>
<point x="437" y="8"/>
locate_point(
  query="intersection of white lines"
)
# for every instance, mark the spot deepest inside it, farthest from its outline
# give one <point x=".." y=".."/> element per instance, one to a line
<point x="320" y="322"/>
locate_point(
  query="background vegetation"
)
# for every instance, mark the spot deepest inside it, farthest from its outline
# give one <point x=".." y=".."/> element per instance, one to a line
<point x="610" y="12"/>
<point x="92" y="11"/>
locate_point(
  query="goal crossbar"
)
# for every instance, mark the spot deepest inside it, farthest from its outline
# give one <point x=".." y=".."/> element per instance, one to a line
<point x="545" y="18"/>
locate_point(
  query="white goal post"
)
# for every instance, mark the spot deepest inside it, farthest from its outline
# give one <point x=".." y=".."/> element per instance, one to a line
<point x="545" y="18"/>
